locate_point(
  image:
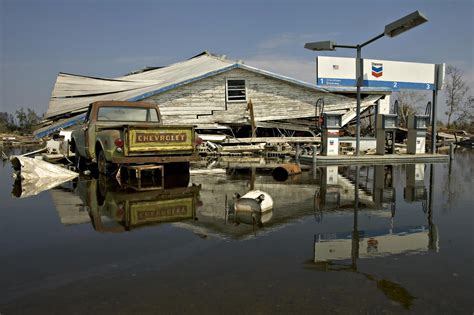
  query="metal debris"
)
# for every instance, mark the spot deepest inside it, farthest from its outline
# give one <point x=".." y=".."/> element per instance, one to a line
<point x="34" y="175"/>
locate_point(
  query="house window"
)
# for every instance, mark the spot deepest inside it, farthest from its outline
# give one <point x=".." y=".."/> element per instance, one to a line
<point x="236" y="90"/>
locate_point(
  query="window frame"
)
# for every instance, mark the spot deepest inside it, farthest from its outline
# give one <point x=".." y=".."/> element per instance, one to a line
<point x="227" y="90"/>
<point x="129" y="121"/>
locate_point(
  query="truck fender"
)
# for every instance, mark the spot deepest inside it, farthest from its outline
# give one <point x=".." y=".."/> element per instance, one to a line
<point x="105" y="141"/>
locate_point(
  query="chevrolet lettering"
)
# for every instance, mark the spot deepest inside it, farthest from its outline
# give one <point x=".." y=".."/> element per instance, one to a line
<point x="164" y="137"/>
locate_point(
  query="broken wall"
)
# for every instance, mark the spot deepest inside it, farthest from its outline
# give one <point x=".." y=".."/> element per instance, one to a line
<point x="204" y="101"/>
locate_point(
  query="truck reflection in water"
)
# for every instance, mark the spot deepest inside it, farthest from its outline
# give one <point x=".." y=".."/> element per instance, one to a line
<point x="115" y="208"/>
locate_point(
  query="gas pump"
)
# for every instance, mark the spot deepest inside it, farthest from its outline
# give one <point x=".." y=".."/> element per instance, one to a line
<point x="417" y="126"/>
<point x="385" y="133"/>
<point x="384" y="194"/>
<point x="330" y="134"/>
<point x="329" y="195"/>
<point x="415" y="189"/>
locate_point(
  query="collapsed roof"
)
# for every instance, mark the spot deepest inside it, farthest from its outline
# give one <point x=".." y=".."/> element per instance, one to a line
<point x="72" y="93"/>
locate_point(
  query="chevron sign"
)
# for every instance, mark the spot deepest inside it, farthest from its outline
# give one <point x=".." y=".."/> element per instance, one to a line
<point x="377" y="69"/>
<point x="387" y="74"/>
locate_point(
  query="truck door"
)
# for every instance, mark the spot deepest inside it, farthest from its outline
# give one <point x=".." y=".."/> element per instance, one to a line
<point x="82" y="141"/>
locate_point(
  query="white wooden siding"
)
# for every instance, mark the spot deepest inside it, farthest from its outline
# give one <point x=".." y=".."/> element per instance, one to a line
<point x="204" y="101"/>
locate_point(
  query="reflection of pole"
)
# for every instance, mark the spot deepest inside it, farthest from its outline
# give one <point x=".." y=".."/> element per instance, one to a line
<point x="252" y="178"/>
<point x="432" y="238"/>
<point x="355" y="230"/>
<point x="434" y="132"/>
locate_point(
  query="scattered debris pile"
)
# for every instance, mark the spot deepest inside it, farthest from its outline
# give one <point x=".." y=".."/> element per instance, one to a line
<point x="35" y="175"/>
<point x="15" y="140"/>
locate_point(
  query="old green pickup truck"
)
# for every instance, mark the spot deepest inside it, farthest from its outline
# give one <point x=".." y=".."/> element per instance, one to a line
<point x="117" y="133"/>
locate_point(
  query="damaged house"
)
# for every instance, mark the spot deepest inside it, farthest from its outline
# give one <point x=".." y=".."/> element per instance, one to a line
<point x="208" y="91"/>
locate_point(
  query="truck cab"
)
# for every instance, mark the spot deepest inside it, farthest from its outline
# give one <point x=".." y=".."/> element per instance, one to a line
<point x="118" y="133"/>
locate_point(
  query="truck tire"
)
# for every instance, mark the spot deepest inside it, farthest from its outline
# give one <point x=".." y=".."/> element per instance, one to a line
<point x="103" y="166"/>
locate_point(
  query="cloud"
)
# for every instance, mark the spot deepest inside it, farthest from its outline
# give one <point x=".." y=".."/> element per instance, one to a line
<point x="293" y="67"/>
<point x="281" y="54"/>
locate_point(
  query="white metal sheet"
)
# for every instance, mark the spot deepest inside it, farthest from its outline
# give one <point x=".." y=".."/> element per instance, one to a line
<point x="395" y="75"/>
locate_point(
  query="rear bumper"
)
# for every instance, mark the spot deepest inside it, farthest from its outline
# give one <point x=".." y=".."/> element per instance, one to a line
<point x="154" y="159"/>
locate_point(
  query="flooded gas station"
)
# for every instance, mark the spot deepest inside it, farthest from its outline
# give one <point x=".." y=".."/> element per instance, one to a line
<point x="387" y="238"/>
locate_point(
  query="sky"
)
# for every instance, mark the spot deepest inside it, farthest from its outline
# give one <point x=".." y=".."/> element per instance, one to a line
<point x="109" y="38"/>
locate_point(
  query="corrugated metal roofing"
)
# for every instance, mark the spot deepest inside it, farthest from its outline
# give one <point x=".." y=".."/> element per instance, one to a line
<point x="74" y="92"/>
<point x="59" y="125"/>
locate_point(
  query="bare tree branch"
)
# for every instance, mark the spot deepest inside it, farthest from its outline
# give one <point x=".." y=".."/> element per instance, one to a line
<point x="456" y="90"/>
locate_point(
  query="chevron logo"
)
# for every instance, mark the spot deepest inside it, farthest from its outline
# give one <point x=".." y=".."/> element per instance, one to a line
<point x="377" y="69"/>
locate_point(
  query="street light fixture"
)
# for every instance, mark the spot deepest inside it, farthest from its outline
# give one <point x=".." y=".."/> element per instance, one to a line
<point x="404" y="24"/>
<point x="391" y="30"/>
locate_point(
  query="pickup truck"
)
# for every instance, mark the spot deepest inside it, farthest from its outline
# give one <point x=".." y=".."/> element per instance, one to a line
<point x="116" y="133"/>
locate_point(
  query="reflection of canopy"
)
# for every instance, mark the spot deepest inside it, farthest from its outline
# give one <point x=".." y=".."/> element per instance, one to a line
<point x="69" y="207"/>
<point x="372" y="243"/>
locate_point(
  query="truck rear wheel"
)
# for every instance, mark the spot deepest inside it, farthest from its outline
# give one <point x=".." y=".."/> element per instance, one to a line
<point x="103" y="166"/>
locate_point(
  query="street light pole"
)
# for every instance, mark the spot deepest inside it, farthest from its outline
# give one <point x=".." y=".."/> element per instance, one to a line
<point x="359" y="79"/>
<point x="359" y="82"/>
<point x="391" y="30"/>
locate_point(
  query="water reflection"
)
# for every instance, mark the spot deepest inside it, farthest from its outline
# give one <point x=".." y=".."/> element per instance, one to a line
<point x="207" y="205"/>
<point x="384" y="187"/>
<point x="110" y="203"/>
<point x="374" y="236"/>
<point x="254" y="208"/>
<point x="379" y="242"/>
<point x="415" y="190"/>
<point x="340" y="251"/>
<point x="114" y="208"/>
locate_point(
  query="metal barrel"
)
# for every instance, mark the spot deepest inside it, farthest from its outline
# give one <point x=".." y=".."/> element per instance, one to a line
<point x="283" y="171"/>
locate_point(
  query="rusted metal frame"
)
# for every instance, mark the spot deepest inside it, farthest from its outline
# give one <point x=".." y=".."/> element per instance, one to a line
<point x="138" y="174"/>
<point x="155" y="159"/>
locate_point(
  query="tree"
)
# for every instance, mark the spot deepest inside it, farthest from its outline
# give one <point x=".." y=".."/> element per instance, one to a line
<point x="32" y="118"/>
<point x="409" y="103"/>
<point x="467" y="110"/>
<point x="21" y="118"/>
<point x="7" y="122"/>
<point x="26" y="120"/>
<point x="456" y="91"/>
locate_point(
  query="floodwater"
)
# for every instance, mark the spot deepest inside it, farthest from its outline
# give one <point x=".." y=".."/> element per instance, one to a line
<point x="401" y="242"/>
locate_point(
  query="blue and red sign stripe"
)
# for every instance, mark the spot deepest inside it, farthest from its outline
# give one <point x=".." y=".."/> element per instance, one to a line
<point x="377" y="83"/>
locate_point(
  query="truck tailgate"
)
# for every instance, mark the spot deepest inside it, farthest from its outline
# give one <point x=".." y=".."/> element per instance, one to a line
<point x="163" y="140"/>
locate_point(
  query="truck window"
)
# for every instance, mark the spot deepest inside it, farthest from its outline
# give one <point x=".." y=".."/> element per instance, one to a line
<point x="132" y="114"/>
